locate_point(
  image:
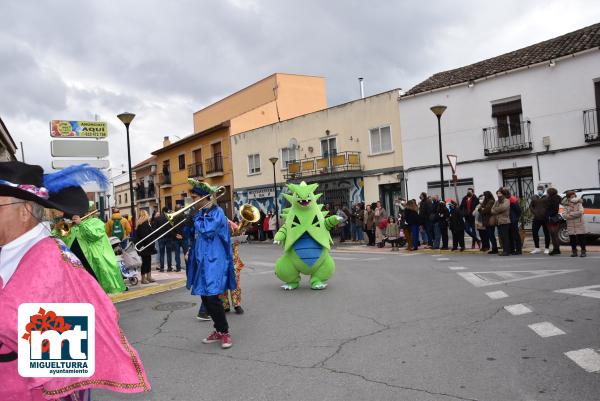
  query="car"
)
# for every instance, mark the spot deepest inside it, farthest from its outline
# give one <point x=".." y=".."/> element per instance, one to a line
<point x="591" y="206"/>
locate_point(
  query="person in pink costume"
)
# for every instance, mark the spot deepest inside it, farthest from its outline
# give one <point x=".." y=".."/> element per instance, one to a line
<point x="34" y="268"/>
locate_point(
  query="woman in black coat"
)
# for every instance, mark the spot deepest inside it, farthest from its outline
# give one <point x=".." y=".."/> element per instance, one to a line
<point x="457" y="226"/>
<point x="143" y="230"/>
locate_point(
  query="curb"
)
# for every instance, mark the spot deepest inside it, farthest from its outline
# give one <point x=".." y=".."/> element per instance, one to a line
<point x="127" y="295"/>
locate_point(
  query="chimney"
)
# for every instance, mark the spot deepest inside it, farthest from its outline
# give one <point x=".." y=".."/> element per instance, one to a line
<point x="362" y="88"/>
<point x="166" y="141"/>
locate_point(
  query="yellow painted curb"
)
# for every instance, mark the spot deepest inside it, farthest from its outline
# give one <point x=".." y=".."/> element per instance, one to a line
<point x="127" y="295"/>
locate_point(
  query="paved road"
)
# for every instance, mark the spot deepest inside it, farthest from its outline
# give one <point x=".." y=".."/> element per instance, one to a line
<point x="389" y="327"/>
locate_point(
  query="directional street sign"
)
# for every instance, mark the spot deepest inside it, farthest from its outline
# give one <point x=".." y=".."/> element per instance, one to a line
<point x="58" y="164"/>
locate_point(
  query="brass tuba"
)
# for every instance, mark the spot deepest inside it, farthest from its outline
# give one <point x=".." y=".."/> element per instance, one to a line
<point x="249" y="215"/>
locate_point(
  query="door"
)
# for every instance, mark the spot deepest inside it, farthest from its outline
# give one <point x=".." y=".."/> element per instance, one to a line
<point x="519" y="181"/>
<point x="328" y="150"/>
<point x="197" y="166"/>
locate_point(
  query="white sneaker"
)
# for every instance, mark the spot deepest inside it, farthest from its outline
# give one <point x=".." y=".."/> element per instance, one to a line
<point x="536" y="250"/>
<point x="546" y="251"/>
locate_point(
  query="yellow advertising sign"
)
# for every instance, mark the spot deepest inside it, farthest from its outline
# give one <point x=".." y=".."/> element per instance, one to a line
<point x="78" y="129"/>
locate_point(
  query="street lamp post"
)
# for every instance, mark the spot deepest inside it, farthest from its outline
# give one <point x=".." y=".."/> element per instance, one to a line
<point x="127" y="118"/>
<point x="273" y="160"/>
<point x="438" y="111"/>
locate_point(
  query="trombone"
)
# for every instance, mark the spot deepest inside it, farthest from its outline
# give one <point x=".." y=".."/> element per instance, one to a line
<point x="64" y="228"/>
<point x="172" y="217"/>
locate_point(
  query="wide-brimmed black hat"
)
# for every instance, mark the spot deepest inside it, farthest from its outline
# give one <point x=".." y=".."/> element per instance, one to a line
<point x="24" y="181"/>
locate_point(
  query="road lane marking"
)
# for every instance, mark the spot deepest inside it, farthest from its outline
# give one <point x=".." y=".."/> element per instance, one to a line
<point x="587" y="359"/>
<point x="546" y="329"/>
<point x="484" y="279"/>
<point x="517" y="309"/>
<point x="267" y="264"/>
<point x="497" y="294"/>
<point x="456" y="267"/>
<point x="343" y="258"/>
<point x="587" y="291"/>
<point x="371" y="259"/>
<point x="442" y="259"/>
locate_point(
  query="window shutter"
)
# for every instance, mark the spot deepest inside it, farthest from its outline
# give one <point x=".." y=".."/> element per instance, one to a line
<point x="504" y="109"/>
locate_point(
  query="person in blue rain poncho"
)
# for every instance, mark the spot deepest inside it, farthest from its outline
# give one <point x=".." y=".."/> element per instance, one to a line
<point x="210" y="265"/>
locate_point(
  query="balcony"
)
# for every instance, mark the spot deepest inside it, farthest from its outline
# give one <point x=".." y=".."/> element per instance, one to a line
<point x="590" y="124"/>
<point x="164" y="180"/>
<point x="144" y="192"/>
<point x="340" y="162"/>
<point x="214" y="166"/>
<point x="505" y="138"/>
<point x="195" y="170"/>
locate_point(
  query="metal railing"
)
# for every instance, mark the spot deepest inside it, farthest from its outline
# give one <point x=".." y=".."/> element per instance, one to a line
<point x="214" y="164"/>
<point x="504" y="138"/>
<point x="164" y="179"/>
<point x="144" y="192"/>
<point x="195" y="170"/>
<point x="591" y="118"/>
<point x="338" y="162"/>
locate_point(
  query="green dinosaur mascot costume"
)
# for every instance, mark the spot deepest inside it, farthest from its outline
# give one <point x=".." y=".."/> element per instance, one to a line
<point x="306" y="239"/>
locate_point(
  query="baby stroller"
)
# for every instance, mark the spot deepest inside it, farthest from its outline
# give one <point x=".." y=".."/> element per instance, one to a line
<point x="128" y="263"/>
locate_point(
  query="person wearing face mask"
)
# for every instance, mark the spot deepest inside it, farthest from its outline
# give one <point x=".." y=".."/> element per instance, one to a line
<point x="481" y="229"/>
<point x="575" y="225"/>
<point x="553" y="219"/>
<point x="501" y="212"/>
<point x="467" y="207"/>
<point x="538" y="208"/>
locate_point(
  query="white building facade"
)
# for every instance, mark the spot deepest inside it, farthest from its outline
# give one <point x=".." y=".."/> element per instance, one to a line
<point x="518" y="127"/>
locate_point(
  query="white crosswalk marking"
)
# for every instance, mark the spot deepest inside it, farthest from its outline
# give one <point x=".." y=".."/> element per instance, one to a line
<point x="517" y="310"/>
<point x="456" y="267"/>
<point x="587" y="359"/>
<point x="546" y="329"/>
<point x="496" y="294"/>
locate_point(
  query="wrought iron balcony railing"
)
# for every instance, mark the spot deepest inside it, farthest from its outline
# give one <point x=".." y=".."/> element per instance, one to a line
<point x="591" y="118"/>
<point x="214" y="164"/>
<point x="195" y="170"/>
<point x="504" y="138"/>
<point x="341" y="161"/>
<point x="164" y="179"/>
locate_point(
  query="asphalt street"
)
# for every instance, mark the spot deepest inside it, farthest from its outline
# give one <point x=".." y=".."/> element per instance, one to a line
<point x="389" y="327"/>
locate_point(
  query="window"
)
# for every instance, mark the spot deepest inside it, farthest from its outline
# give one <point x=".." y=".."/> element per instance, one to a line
<point x="119" y="199"/>
<point x="328" y="147"/>
<point x="125" y="197"/>
<point x="287" y="155"/>
<point x="254" y="164"/>
<point x="182" y="162"/>
<point x="381" y="140"/>
<point x="169" y="202"/>
<point x="508" y="118"/>
<point x="591" y="201"/>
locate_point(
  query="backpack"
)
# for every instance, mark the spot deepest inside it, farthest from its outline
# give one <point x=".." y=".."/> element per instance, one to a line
<point x="117" y="229"/>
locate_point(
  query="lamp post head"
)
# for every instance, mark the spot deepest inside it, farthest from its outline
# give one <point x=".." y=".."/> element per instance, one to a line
<point x="438" y="110"/>
<point x="126" y="118"/>
<point x="273" y="160"/>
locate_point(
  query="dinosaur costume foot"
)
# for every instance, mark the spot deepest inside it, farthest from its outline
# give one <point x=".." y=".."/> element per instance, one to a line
<point x="290" y="286"/>
<point x="317" y="285"/>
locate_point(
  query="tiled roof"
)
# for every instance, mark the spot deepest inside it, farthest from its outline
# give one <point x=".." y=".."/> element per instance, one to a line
<point x="144" y="162"/>
<point x="573" y="42"/>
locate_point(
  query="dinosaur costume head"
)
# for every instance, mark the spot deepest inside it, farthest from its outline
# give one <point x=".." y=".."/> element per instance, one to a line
<point x="304" y="215"/>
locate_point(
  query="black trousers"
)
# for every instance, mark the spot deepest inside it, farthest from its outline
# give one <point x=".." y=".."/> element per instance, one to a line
<point x="579" y="238"/>
<point x="371" y="235"/>
<point x="458" y="239"/>
<point x="506" y="240"/>
<point x="535" y="231"/>
<point x="214" y="308"/>
<point x="515" y="238"/>
<point x="146" y="263"/>
<point x="444" y="231"/>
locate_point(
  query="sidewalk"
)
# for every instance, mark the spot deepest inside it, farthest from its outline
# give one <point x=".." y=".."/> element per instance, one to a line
<point x="164" y="282"/>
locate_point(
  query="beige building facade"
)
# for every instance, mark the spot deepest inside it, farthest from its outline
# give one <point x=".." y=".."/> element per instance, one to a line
<point x="353" y="151"/>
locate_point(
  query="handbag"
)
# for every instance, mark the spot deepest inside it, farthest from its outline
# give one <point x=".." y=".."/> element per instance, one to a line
<point x="131" y="258"/>
<point x="556" y="219"/>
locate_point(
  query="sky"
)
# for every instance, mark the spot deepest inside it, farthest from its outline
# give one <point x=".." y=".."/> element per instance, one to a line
<point x="163" y="60"/>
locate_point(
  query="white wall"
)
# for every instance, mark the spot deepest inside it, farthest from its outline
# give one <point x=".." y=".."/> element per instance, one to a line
<point x="552" y="98"/>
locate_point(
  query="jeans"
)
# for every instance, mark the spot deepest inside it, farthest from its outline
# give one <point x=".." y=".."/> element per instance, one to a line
<point x="164" y="245"/>
<point x="357" y="233"/>
<point x="437" y="234"/>
<point x="424" y="235"/>
<point x="214" y="307"/>
<point x="429" y="231"/>
<point x="470" y="227"/>
<point x="414" y="230"/>
<point x="491" y="235"/>
<point x="347" y="232"/>
<point x="176" y="245"/>
<point x="535" y="231"/>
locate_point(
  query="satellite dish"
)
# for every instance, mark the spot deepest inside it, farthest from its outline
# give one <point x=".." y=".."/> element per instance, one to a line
<point x="293" y="144"/>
